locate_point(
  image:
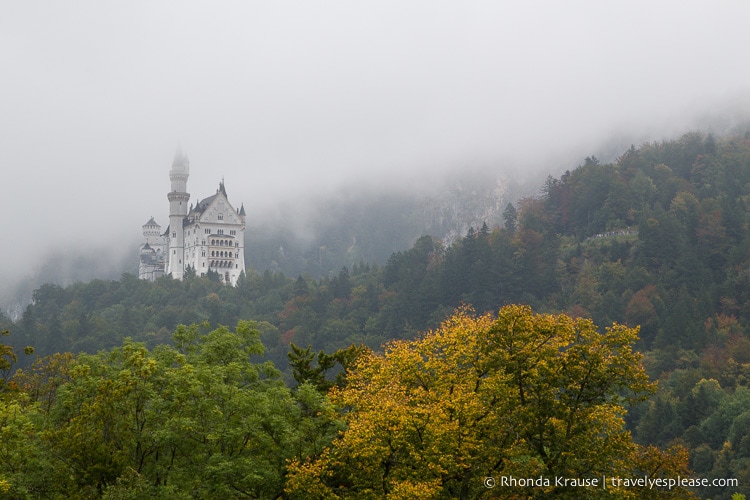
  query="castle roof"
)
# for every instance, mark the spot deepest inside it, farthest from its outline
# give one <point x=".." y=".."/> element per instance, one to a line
<point x="206" y="202"/>
<point x="151" y="222"/>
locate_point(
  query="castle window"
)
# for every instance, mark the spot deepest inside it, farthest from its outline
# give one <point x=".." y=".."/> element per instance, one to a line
<point x="221" y="216"/>
<point x="232" y="232"/>
<point x="208" y="231"/>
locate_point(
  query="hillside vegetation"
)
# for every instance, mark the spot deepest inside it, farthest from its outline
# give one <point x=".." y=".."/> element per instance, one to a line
<point x="659" y="239"/>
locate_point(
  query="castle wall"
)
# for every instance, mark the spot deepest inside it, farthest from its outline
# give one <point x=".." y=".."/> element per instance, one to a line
<point x="210" y="237"/>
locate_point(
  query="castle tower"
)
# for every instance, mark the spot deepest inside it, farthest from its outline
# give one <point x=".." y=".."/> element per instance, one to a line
<point x="152" y="232"/>
<point x="151" y="258"/>
<point x="178" y="198"/>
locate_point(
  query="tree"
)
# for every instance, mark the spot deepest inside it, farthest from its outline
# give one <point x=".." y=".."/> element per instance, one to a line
<point x="510" y="216"/>
<point x="303" y="371"/>
<point x="189" y="272"/>
<point x="8" y="358"/>
<point x="522" y="395"/>
<point x="200" y="419"/>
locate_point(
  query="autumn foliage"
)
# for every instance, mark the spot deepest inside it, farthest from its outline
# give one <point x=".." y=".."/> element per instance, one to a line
<point x="521" y="394"/>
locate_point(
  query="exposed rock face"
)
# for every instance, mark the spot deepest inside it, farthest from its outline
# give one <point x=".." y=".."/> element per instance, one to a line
<point x="361" y="225"/>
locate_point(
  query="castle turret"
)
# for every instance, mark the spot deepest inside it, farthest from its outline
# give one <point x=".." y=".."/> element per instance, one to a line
<point x="151" y="232"/>
<point x="151" y="259"/>
<point x="178" y="208"/>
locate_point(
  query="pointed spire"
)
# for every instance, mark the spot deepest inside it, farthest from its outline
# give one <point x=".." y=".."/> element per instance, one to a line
<point x="242" y="209"/>
<point x="180" y="162"/>
<point x="221" y="187"/>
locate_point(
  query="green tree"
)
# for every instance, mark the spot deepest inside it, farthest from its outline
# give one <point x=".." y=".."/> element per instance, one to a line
<point x="510" y="216"/>
<point x="307" y="367"/>
<point x="201" y="419"/>
<point x="8" y="358"/>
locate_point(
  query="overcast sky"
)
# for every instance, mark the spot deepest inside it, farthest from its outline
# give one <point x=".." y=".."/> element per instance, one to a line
<point x="283" y="97"/>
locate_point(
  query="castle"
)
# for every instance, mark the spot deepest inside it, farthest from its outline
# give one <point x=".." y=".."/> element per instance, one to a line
<point x="207" y="237"/>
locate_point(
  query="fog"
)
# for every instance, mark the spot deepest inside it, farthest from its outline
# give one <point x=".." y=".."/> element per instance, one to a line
<point x="285" y="99"/>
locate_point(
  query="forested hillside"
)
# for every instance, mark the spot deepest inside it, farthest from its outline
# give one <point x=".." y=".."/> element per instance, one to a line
<point x="318" y="236"/>
<point x="658" y="239"/>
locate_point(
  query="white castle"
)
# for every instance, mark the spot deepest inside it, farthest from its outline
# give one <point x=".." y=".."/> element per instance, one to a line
<point x="206" y="237"/>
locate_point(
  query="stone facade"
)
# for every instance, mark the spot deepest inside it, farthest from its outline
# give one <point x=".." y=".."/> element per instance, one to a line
<point x="205" y="237"/>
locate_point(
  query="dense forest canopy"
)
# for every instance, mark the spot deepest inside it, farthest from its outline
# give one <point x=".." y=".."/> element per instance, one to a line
<point x="658" y="239"/>
<point x="523" y="395"/>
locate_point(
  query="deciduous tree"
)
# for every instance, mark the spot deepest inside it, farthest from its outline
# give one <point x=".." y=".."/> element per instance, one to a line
<point x="523" y="395"/>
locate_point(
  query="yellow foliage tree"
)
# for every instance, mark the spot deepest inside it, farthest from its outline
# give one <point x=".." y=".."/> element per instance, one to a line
<point x="518" y="397"/>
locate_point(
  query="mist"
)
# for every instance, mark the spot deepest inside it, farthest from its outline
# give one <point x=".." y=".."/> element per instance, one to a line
<point x="295" y="101"/>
